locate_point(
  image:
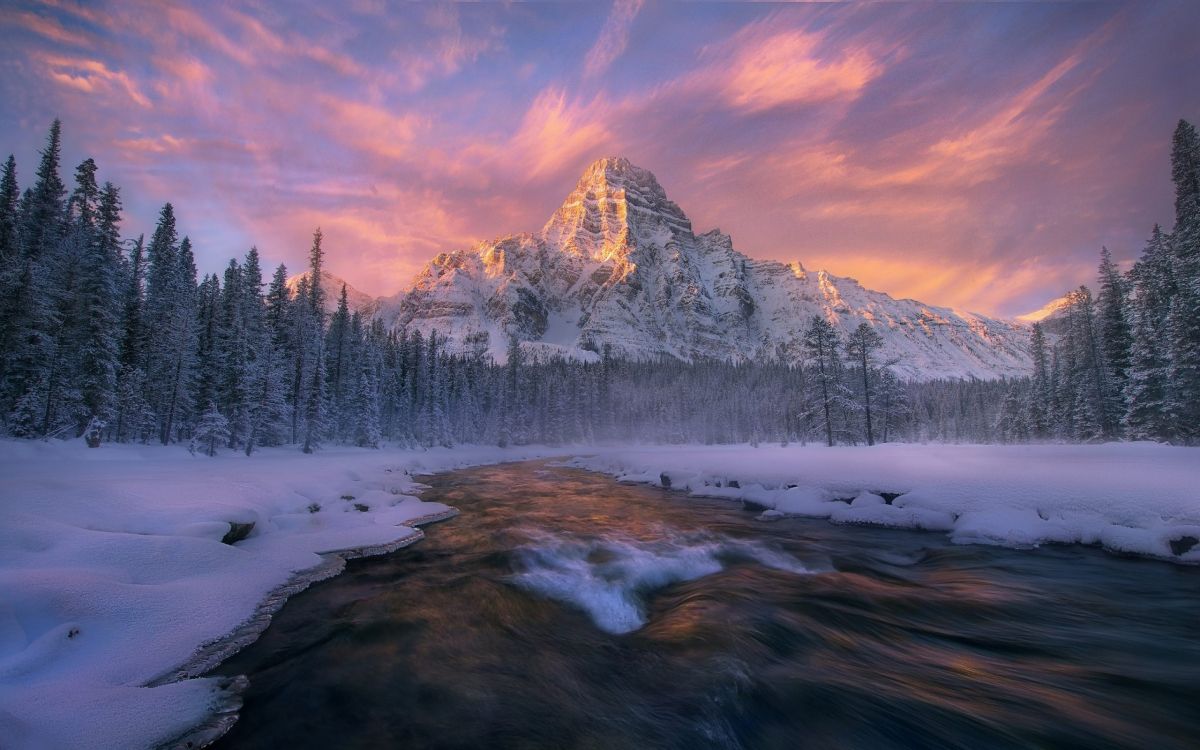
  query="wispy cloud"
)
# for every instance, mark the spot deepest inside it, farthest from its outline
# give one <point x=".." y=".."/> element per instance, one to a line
<point x="971" y="155"/>
<point x="763" y="67"/>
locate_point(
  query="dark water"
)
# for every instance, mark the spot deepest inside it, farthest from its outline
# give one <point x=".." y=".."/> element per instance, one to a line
<point x="520" y="624"/>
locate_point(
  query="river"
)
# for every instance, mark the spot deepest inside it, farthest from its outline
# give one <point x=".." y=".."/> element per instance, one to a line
<point x="562" y="609"/>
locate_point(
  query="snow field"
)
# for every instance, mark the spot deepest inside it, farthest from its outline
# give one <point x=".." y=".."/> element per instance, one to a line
<point x="1132" y="498"/>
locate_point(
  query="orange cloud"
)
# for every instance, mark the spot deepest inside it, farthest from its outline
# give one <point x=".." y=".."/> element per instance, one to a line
<point x="555" y="133"/>
<point x="91" y="76"/>
<point x="373" y="130"/>
<point x="762" y="68"/>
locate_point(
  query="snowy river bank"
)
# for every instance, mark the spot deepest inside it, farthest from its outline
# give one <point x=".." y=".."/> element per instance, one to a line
<point x="123" y="577"/>
<point x="118" y="584"/>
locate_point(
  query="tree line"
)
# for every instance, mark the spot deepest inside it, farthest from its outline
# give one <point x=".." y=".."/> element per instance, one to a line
<point x="1124" y="363"/>
<point x="120" y="340"/>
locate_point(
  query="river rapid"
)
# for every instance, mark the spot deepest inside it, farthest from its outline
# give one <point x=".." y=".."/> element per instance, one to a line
<point x="562" y="609"/>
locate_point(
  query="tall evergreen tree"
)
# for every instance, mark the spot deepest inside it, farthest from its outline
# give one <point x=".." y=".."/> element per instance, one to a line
<point x="1183" y="315"/>
<point x="1115" y="340"/>
<point x="861" y="346"/>
<point x="822" y="343"/>
<point x="133" y="414"/>
<point x="44" y="215"/>
<point x="35" y="295"/>
<point x="311" y="318"/>
<point x="340" y="368"/>
<point x="1041" y="393"/>
<point x="1146" y="388"/>
<point x="95" y="331"/>
<point x="10" y="198"/>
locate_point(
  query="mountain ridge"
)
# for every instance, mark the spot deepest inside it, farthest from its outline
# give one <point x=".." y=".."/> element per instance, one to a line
<point x="618" y="264"/>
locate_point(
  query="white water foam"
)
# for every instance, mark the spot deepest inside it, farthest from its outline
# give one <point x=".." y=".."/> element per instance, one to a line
<point x="607" y="577"/>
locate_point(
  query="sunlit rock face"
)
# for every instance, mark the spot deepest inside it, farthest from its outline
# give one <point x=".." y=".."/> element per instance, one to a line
<point x="619" y="265"/>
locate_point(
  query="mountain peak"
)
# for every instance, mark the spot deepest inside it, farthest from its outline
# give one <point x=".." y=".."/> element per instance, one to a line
<point x="612" y="167"/>
<point x="614" y="202"/>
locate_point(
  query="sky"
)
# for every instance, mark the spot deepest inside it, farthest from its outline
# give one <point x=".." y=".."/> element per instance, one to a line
<point x="969" y="155"/>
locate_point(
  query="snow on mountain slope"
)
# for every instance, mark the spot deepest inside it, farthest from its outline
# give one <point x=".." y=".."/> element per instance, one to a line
<point x="360" y="302"/>
<point x="618" y="264"/>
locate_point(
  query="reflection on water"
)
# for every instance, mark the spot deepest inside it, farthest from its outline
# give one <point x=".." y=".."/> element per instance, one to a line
<point x="564" y="610"/>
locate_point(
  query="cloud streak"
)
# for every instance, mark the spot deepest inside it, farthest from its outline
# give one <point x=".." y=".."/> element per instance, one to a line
<point x="613" y="39"/>
<point x="969" y="155"/>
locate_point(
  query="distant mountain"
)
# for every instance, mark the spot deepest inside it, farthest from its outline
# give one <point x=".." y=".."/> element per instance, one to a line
<point x="360" y="302"/>
<point x="1053" y="308"/>
<point x="618" y="264"/>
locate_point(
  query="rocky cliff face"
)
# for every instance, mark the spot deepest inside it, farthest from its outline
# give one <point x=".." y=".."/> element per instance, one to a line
<point x="618" y="264"/>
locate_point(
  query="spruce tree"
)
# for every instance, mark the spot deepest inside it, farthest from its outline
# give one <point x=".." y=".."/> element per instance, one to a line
<point x="1041" y="393"/>
<point x="10" y="197"/>
<point x="94" y="334"/>
<point x="1183" y="314"/>
<point x="212" y="430"/>
<point x="822" y="343"/>
<point x="1146" y="416"/>
<point x="43" y="213"/>
<point x="340" y="368"/>
<point x="861" y="346"/>
<point x="28" y="375"/>
<point x="311" y="341"/>
<point x="1115" y="340"/>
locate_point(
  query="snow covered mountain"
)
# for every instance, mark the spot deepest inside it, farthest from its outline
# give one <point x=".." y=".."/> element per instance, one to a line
<point x="360" y="302"/>
<point x="619" y="264"/>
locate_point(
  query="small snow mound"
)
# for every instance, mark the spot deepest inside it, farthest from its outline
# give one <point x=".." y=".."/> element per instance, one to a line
<point x="608" y="577"/>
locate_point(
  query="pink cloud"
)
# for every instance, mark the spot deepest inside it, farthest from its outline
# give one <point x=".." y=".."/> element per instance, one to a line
<point x="91" y="77"/>
<point x="46" y="27"/>
<point x="613" y="39"/>
<point x="762" y="68"/>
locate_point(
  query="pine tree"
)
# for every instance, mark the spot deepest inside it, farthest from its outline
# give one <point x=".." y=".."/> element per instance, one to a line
<point x="822" y="343"/>
<point x="339" y="367"/>
<point x="83" y="207"/>
<point x="34" y="297"/>
<point x="311" y="318"/>
<point x="1183" y="314"/>
<point x="44" y="215"/>
<point x="1041" y="393"/>
<point x="511" y="430"/>
<point x="894" y="404"/>
<point x="262" y="405"/>
<point x="365" y="397"/>
<point x="171" y="326"/>
<point x="133" y="411"/>
<point x="1146" y="416"/>
<point x="1083" y="377"/>
<point x="861" y="348"/>
<point x="1115" y="340"/>
<point x="211" y="431"/>
<point x="94" y="332"/>
<point x="209" y="370"/>
<point x="10" y="197"/>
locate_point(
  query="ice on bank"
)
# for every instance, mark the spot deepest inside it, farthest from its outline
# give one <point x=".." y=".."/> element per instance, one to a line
<point x="1136" y="498"/>
<point x="125" y="571"/>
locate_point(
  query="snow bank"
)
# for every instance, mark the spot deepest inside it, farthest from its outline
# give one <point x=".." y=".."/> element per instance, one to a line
<point x="1135" y="498"/>
<point x="116" y="587"/>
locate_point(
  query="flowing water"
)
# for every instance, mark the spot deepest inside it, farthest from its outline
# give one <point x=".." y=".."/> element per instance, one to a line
<point x="564" y="610"/>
